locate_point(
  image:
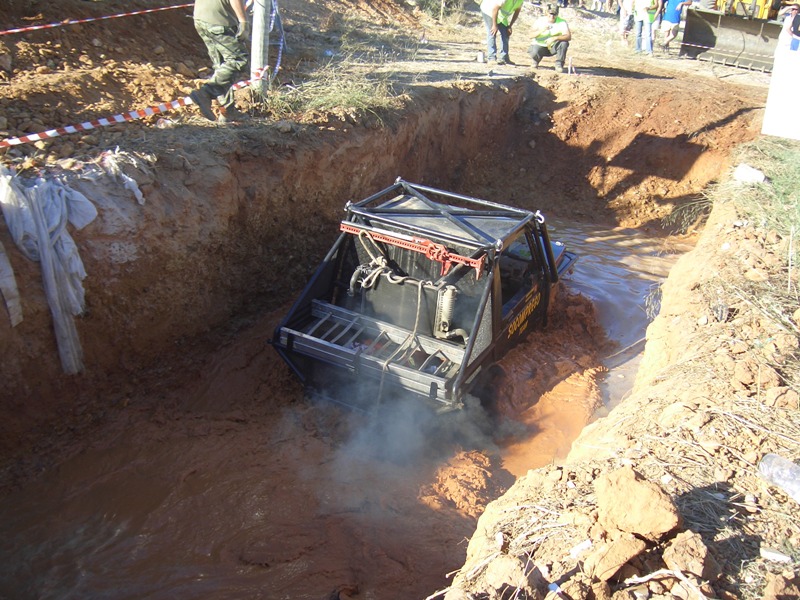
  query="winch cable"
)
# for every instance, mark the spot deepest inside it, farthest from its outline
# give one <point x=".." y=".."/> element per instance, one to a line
<point x="411" y="336"/>
<point x="381" y="262"/>
<point x="398" y="279"/>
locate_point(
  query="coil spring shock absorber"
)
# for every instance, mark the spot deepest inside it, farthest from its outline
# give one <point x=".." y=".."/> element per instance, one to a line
<point x="445" y="307"/>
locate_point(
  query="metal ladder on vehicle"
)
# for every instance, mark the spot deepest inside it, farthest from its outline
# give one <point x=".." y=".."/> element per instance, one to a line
<point x="346" y="335"/>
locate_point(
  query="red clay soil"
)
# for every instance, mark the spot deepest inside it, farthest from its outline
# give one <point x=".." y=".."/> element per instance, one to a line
<point x="240" y="482"/>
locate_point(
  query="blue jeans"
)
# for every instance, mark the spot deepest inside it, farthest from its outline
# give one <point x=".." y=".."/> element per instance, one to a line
<point x="491" y="42"/>
<point x="644" y="33"/>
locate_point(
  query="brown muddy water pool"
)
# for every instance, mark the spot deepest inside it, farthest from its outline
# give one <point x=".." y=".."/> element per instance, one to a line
<point x="286" y="498"/>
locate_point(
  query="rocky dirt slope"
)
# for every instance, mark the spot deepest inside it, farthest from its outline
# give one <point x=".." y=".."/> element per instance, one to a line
<point x="663" y="498"/>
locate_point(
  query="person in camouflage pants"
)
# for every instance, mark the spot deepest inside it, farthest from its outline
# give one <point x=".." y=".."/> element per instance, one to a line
<point x="223" y="27"/>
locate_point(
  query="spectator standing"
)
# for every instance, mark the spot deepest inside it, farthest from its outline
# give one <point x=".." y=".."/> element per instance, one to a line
<point x="672" y="20"/>
<point x="551" y="37"/>
<point x="795" y="28"/>
<point x="499" y="16"/>
<point x="223" y="27"/>
<point x="625" y="18"/>
<point x="656" y="17"/>
<point x="790" y="31"/>
<point x="642" y="27"/>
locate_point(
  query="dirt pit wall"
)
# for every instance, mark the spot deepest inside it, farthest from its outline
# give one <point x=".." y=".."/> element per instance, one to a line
<point x="231" y="222"/>
<point x="234" y="220"/>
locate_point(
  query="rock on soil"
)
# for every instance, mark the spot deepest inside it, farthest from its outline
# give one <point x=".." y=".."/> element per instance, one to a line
<point x="627" y="502"/>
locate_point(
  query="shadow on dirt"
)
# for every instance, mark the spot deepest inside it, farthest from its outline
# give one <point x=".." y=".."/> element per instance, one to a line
<point x="719" y="514"/>
<point x="614" y="72"/>
<point x="724" y="121"/>
<point x="670" y="158"/>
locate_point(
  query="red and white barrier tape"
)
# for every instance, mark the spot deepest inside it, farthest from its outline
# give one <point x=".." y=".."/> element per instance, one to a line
<point x="121" y="118"/>
<point x="89" y="20"/>
<point x="135" y="114"/>
<point x="104" y="122"/>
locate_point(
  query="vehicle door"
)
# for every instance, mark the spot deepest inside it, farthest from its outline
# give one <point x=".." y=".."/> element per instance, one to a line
<point x="521" y="290"/>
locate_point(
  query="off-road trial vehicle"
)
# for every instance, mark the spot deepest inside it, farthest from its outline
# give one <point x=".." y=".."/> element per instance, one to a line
<point x="423" y="291"/>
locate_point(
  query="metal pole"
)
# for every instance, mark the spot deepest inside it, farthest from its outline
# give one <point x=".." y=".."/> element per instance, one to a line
<point x="259" y="52"/>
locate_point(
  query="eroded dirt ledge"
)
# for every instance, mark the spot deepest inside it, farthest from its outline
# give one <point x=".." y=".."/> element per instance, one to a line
<point x="700" y="418"/>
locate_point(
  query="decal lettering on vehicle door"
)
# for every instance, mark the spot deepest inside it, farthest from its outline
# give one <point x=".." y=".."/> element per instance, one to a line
<point x="520" y="322"/>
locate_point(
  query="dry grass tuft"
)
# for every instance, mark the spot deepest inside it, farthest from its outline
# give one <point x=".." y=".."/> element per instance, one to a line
<point x="338" y="88"/>
<point x="689" y="216"/>
<point x="352" y="82"/>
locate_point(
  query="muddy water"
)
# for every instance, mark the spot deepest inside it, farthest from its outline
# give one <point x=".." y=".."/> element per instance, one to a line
<point x="218" y="494"/>
<point x="619" y="270"/>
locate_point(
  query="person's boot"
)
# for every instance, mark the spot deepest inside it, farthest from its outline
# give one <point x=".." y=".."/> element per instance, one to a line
<point x="231" y="115"/>
<point x="203" y="101"/>
<point x="559" y="67"/>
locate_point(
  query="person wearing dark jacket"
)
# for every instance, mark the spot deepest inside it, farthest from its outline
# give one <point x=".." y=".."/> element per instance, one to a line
<point x="794" y="13"/>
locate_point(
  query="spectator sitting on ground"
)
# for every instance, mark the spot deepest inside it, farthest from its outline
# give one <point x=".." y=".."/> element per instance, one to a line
<point x="671" y="20"/>
<point x="551" y="38"/>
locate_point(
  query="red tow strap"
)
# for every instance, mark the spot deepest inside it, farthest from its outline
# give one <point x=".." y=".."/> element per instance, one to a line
<point x="432" y="250"/>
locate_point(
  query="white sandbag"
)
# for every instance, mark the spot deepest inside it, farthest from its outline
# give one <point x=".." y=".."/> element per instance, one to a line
<point x="37" y="217"/>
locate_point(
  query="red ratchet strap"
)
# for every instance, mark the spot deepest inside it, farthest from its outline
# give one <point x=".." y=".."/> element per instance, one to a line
<point x="432" y="250"/>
